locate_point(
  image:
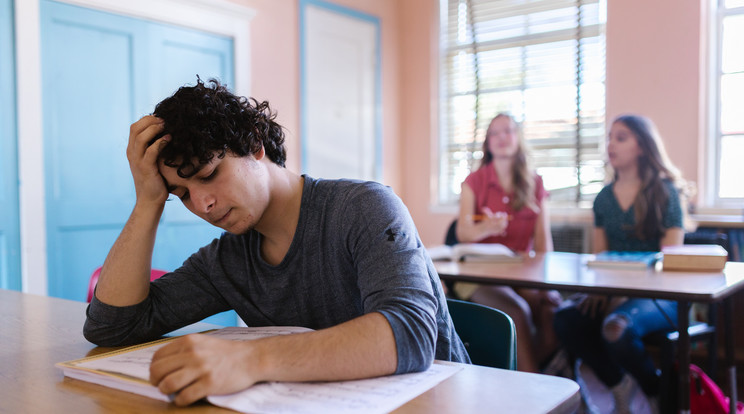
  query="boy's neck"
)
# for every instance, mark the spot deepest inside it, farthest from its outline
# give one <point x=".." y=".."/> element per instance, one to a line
<point x="278" y="224"/>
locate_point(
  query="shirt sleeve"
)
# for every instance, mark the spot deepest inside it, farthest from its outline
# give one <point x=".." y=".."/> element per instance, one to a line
<point x="475" y="181"/>
<point x="540" y="191"/>
<point x="175" y="300"/>
<point x="394" y="278"/>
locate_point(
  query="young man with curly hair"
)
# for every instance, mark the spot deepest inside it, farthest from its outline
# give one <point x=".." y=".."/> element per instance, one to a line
<point x="342" y="257"/>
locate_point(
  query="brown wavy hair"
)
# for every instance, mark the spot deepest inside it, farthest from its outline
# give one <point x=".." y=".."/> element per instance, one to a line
<point x="522" y="176"/>
<point x="654" y="167"/>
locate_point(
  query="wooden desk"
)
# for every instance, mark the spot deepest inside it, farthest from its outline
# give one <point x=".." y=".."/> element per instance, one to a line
<point x="569" y="272"/>
<point x="36" y="332"/>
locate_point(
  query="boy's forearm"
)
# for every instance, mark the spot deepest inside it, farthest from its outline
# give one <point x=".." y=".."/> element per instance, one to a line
<point x="196" y="366"/>
<point x="360" y="348"/>
<point x="125" y="276"/>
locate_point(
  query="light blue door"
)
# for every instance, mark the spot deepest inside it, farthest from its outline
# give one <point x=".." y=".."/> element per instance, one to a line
<point x="10" y="259"/>
<point x="101" y="72"/>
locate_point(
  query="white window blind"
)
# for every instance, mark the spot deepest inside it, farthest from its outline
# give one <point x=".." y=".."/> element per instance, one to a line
<point x="543" y="61"/>
<point x="729" y="123"/>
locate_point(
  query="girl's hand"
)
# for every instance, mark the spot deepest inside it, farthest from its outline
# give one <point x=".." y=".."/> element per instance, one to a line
<point x="591" y="305"/>
<point x="495" y="223"/>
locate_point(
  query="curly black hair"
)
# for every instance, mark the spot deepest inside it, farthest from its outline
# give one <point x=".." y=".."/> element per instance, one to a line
<point x="207" y="120"/>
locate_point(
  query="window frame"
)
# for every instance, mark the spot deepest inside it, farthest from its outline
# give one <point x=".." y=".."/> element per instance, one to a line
<point x="438" y="200"/>
<point x="711" y="196"/>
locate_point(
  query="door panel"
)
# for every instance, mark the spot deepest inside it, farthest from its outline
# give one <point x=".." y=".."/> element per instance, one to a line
<point x="89" y="99"/>
<point x="340" y="101"/>
<point x="10" y="261"/>
<point x="101" y="72"/>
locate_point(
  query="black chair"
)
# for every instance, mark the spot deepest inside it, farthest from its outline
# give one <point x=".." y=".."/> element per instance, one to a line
<point x="489" y="334"/>
<point x="699" y="332"/>
<point x="450" y="239"/>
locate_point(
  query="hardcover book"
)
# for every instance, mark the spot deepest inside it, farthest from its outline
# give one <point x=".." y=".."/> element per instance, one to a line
<point x="710" y="257"/>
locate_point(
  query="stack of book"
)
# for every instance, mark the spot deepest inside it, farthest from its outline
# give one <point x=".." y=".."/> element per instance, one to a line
<point x="703" y="257"/>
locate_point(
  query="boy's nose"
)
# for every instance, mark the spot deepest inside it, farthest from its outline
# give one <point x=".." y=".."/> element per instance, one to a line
<point x="203" y="202"/>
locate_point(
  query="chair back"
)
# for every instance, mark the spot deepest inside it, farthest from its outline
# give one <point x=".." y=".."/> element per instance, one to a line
<point x="450" y="239"/>
<point x="706" y="237"/>
<point x="489" y="334"/>
<point x="154" y="274"/>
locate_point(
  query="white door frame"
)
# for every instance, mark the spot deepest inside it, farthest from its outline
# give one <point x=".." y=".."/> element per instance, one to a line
<point x="377" y="81"/>
<point x="214" y="16"/>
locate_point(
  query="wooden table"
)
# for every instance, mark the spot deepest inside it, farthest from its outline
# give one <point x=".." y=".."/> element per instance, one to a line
<point x="36" y="332"/>
<point x="569" y="272"/>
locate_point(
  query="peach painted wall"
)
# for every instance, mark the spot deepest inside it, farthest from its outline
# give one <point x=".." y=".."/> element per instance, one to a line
<point x="275" y="66"/>
<point x="275" y="62"/>
<point x="656" y="67"/>
<point x="420" y="100"/>
<point x="655" y="58"/>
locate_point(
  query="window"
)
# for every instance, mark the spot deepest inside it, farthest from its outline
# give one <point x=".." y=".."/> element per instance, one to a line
<point x="728" y="86"/>
<point x="543" y="61"/>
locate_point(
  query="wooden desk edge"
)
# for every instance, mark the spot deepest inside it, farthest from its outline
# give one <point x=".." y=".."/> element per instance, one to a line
<point x="567" y="287"/>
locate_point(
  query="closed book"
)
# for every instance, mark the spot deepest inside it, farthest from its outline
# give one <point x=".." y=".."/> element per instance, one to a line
<point x="711" y="257"/>
<point x="624" y="260"/>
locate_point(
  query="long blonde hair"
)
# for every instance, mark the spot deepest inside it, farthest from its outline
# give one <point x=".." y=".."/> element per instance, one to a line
<point x="522" y="176"/>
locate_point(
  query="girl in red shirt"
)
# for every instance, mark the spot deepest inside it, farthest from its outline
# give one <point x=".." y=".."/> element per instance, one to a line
<point x="504" y="202"/>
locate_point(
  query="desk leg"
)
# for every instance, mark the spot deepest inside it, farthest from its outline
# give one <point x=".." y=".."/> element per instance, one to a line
<point x="683" y="356"/>
<point x="728" y="312"/>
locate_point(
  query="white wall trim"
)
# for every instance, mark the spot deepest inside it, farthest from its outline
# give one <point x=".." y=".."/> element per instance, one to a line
<point x="30" y="150"/>
<point x="215" y="16"/>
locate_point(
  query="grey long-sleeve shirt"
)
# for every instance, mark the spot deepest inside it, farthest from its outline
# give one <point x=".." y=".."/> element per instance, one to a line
<point x="355" y="251"/>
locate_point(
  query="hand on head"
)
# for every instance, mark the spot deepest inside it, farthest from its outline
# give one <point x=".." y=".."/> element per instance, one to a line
<point x="143" y="154"/>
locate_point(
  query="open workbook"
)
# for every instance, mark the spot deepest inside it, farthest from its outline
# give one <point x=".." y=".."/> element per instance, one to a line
<point x="474" y="252"/>
<point x="127" y="369"/>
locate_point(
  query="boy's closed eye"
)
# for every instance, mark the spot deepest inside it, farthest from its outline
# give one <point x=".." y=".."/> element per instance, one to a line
<point x="210" y="176"/>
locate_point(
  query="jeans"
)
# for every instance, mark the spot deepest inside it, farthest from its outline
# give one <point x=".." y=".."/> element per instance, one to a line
<point x="583" y="337"/>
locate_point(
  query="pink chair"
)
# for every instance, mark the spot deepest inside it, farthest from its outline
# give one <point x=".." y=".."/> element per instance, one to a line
<point x="154" y="274"/>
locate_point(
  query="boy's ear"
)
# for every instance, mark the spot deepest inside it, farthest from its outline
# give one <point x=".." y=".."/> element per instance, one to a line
<point x="260" y="153"/>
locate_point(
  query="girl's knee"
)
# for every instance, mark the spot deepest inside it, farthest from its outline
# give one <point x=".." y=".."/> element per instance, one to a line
<point x="614" y="327"/>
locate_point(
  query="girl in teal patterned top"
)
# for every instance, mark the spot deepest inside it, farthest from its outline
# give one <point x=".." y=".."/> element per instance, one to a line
<point x="615" y="225"/>
<point x="638" y="211"/>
